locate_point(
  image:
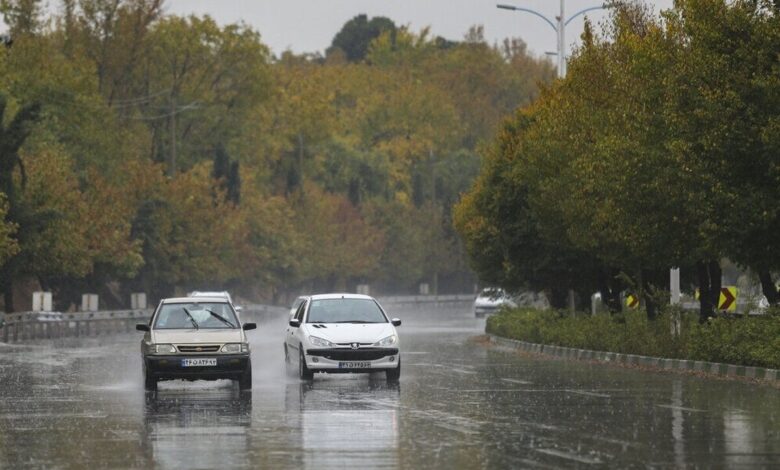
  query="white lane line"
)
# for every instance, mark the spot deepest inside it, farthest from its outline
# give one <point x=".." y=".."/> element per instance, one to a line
<point x="463" y="371"/>
<point x="516" y="381"/>
<point x="589" y="394"/>
<point x="681" y="408"/>
<point x="570" y="456"/>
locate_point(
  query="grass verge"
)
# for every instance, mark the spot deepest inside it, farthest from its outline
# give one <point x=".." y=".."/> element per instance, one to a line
<point x="751" y="341"/>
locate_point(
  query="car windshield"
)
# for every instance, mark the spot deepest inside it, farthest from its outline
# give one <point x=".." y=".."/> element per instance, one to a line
<point x="207" y="315"/>
<point x="345" y="311"/>
<point x="492" y="293"/>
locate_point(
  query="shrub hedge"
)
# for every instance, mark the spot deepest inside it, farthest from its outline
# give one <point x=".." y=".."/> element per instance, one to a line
<point x="749" y="341"/>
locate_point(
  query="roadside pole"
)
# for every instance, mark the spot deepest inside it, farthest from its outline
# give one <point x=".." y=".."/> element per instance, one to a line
<point x="674" y="290"/>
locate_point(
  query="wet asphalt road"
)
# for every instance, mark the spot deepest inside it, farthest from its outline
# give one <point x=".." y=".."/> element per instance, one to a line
<point x="459" y="404"/>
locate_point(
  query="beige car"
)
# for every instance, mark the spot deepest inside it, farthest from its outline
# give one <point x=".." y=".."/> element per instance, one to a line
<point x="196" y="338"/>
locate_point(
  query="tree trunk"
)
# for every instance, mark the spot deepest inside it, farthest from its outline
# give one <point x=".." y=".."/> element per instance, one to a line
<point x="610" y="292"/>
<point x="650" y="302"/>
<point x="715" y="282"/>
<point x="705" y="291"/>
<point x="768" y="287"/>
<point x="7" y="288"/>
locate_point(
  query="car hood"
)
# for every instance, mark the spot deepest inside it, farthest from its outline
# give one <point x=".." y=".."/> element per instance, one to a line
<point x="193" y="336"/>
<point x="350" y="332"/>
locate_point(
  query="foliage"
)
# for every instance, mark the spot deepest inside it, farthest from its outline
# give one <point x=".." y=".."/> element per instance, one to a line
<point x="751" y="341"/>
<point x="8" y="245"/>
<point x="652" y="153"/>
<point x="149" y="152"/>
<point x="355" y="37"/>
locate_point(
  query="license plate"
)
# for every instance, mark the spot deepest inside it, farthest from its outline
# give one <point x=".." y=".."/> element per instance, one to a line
<point x="354" y="365"/>
<point x="199" y="362"/>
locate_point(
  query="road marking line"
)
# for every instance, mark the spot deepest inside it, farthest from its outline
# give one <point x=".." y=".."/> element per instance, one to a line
<point x="681" y="408"/>
<point x="569" y="456"/>
<point x="590" y="394"/>
<point x="516" y="381"/>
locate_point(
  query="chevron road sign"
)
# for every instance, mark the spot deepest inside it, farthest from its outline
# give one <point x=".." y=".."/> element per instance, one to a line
<point x="728" y="299"/>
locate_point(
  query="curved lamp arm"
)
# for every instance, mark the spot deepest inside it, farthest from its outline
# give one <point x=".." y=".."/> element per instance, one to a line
<point x="582" y="12"/>
<point x="527" y="10"/>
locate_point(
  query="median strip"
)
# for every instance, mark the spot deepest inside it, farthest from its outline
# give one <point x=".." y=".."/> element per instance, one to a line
<point x="674" y="365"/>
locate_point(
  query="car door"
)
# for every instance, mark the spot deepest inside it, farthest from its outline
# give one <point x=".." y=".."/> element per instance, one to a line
<point x="288" y="329"/>
<point x="293" y="334"/>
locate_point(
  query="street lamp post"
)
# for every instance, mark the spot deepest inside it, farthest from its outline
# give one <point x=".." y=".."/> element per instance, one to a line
<point x="559" y="26"/>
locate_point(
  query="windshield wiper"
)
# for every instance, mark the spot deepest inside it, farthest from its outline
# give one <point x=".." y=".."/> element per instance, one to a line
<point x="192" y="319"/>
<point x="220" y="317"/>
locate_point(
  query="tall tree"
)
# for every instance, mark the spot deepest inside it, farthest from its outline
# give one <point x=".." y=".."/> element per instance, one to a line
<point x="356" y="35"/>
<point x="12" y="137"/>
<point x="22" y="16"/>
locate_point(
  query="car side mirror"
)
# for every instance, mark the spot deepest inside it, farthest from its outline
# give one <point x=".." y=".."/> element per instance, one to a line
<point x="249" y="326"/>
<point x="396" y="322"/>
<point x="238" y="308"/>
<point x="142" y="327"/>
<point x="295" y="323"/>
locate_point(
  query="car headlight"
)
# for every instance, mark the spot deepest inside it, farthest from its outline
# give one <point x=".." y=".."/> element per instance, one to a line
<point x="235" y="348"/>
<point x="323" y="343"/>
<point x="389" y="341"/>
<point x="163" y="349"/>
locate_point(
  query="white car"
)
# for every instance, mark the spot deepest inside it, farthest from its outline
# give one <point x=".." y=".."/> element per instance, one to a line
<point x="490" y="300"/>
<point x="342" y="333"/>
<point x="224" y="294"/>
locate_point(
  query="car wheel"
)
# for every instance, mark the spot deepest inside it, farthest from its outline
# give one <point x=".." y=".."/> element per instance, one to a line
<point x="303" y="370"/>
<point x="394" y="374"/>
<point x="286" y="355"/>
<point x="150" y="383"/>
<point x="245" y="381"/>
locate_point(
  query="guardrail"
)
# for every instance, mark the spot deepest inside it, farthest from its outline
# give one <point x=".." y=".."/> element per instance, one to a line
<point x="50" y="325"/>
<point x="416" y="299"/>
<point x="26" y="326"/>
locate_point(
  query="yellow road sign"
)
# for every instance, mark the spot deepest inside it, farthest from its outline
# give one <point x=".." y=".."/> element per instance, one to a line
<point x="728" y="299"/>
<point x="632" y="301"/>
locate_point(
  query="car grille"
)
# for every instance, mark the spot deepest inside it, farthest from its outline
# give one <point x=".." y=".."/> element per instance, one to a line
<point x="198" y="349"/>
<point x="363" y="354"/>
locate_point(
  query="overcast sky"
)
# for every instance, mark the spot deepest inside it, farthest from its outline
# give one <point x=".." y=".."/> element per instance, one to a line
<point x="309" y="25"/>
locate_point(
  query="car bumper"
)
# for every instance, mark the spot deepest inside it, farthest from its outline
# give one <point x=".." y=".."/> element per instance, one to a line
<point x="342" y="360"/>
<point x="229" y="366"/>
<point x="485" y="310"/>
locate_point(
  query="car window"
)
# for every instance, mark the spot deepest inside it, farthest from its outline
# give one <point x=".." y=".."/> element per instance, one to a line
<point x="345" y="311"/>
<point x="205" y="315"/>
<point x="295" y="306"/>
<point x="301" y="309"/>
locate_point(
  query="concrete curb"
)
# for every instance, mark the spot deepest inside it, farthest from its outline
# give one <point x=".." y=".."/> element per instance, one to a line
<point x="713" y="368"/>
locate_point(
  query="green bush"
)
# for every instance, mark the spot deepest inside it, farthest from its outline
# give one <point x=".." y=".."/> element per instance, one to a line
<point x="752" y="341"/>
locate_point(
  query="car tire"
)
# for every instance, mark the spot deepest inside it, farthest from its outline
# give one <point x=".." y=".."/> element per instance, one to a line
<point x="304" y="373"/>
<point x="150" y="383"/>
<point x="245" y="381"/>
<point x="286" y="355"/>
<point x="393" y="375"/>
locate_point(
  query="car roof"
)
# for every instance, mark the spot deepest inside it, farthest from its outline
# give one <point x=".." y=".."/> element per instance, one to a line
<point x="186" y="300"/>
<point x="340" y="296"/>
<point x="196" y="293"/>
